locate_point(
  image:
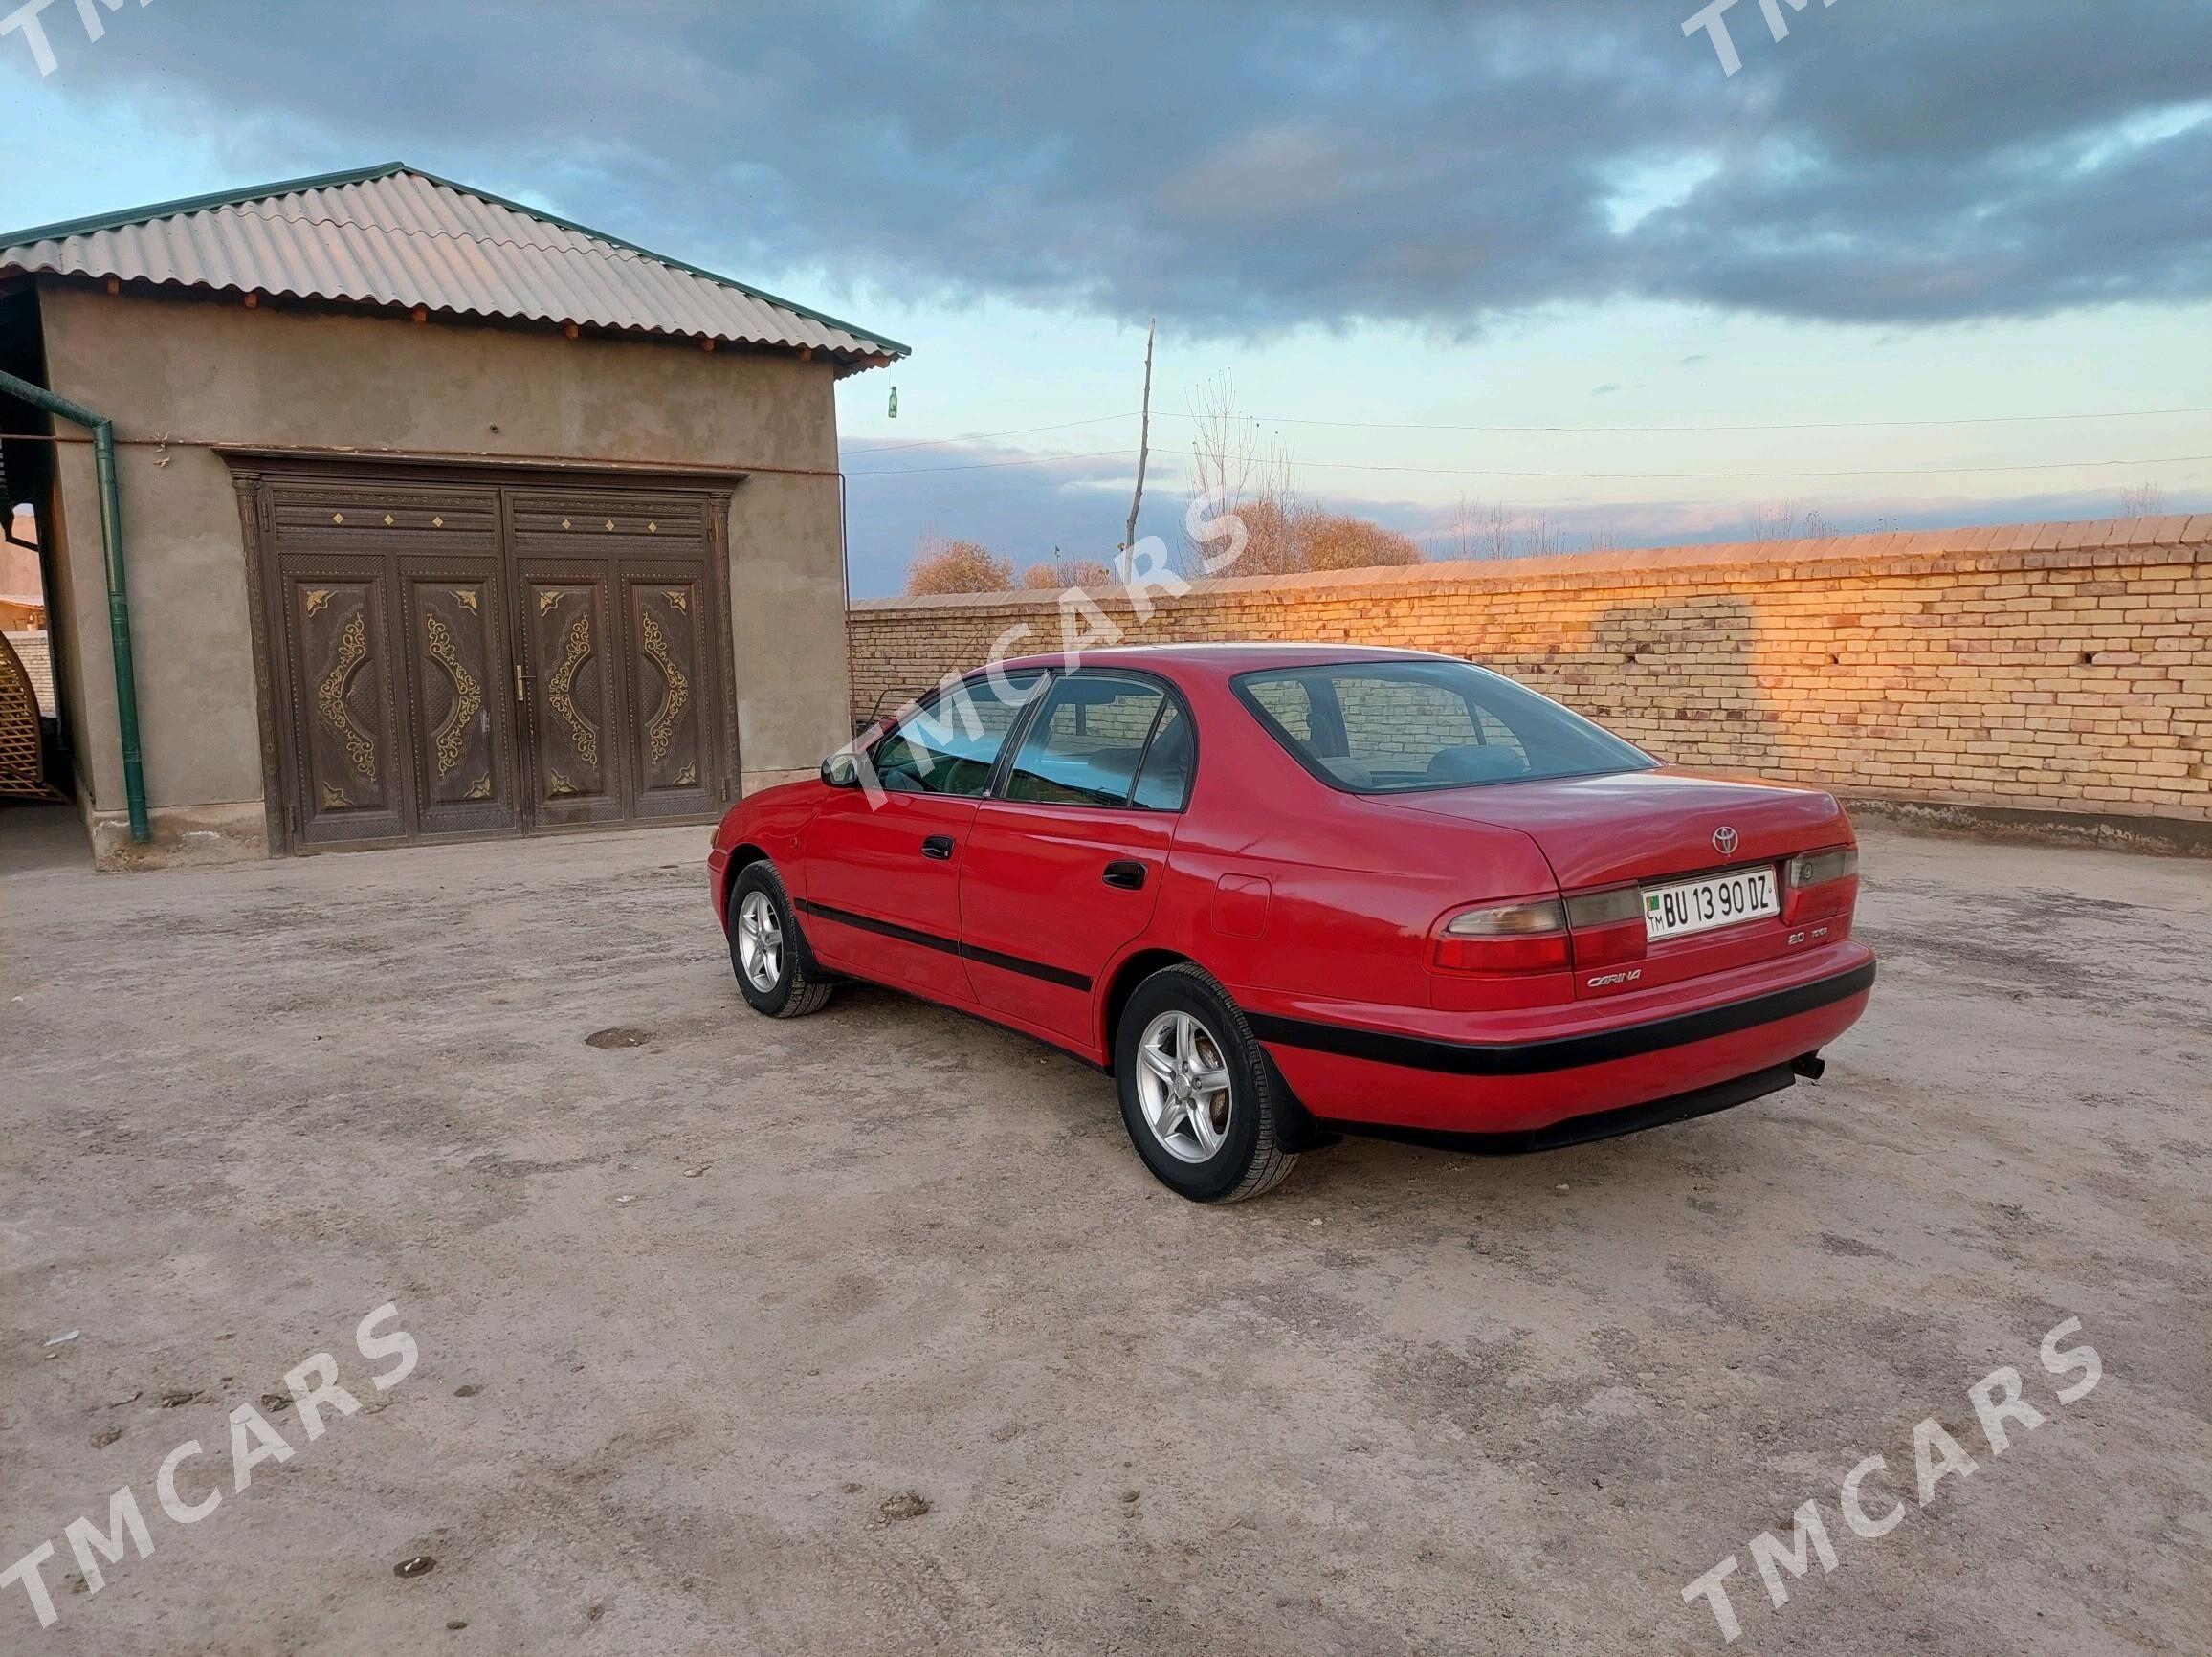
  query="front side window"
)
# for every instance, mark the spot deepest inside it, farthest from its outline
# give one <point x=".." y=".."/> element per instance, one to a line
<point x="1088" y="743"/>
<point x="951" y="745"/>
<point x="1387" y="727"/>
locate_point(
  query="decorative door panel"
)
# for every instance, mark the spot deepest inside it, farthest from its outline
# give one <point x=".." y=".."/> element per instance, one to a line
<point x="578" y="705"/>
<point x="462" y="698"/>
<point x="672" y="644"/>
<point x="348" y="758"/>
<point x="368" y="515"/>
<point x="604" y="522"/>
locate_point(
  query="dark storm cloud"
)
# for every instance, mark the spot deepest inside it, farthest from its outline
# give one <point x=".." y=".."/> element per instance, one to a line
<point x="1246" y="168"/>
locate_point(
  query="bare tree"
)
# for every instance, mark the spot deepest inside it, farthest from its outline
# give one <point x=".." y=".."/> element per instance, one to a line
<point x="1773" y="520"/>
<point x="2143" y="500"/>
<point x="1236" y="467"/>
<point x="1790" y="520"/>
<point x="1475" y="530"/>
<point x="1495" y="531"/>
<point x="1491" y="529"/>
<point x="1539" y="540"/>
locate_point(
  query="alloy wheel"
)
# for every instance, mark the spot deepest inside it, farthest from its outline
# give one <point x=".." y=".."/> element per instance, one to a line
<point x="760" y="941"/>
<point x="1183" y="1085"/>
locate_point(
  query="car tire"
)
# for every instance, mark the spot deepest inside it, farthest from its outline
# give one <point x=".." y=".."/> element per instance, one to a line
<point x="775" y="969"/>
<point x="1209" y="1144"/>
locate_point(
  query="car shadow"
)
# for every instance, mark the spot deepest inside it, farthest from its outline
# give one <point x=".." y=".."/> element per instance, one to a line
<point x="1675" y="1178"/>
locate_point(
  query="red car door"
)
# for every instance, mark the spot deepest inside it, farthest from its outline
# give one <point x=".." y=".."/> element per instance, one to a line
<point x="881" y="865"/>
<point x="1063" y="861"/>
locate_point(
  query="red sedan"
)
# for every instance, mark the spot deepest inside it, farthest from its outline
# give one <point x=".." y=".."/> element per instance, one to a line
<point x="1283" y="892"/>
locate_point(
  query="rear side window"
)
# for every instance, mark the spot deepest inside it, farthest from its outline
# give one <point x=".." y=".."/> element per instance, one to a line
<point x="1086" y="744"/>
<point x="952" y="745"/>
<point x="1284" y="701"/>
<point x="1164" y="782"/>
<point x="1388" y="727"/>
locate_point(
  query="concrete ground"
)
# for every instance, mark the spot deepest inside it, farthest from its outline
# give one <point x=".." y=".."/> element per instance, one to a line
<point x="692" y="1313"/>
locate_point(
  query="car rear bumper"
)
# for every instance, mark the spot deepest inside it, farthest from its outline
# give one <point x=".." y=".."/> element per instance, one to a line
<point x="1365" y="1067"/>
<point x="1586" y="1130"/>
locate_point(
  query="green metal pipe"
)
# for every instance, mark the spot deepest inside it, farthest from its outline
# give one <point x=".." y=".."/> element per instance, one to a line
<point x="126" y="709"/>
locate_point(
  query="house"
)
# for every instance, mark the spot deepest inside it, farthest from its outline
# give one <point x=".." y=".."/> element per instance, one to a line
<point x="432" y="515"/>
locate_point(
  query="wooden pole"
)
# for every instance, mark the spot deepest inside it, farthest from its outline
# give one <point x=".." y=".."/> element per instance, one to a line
<point x="1143" y="441"/>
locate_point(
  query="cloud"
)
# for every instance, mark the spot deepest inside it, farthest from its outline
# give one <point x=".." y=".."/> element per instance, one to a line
<point x="1020" y="508"/>
<point x="1038" y="509"/>
<point x="1246" y="168"/>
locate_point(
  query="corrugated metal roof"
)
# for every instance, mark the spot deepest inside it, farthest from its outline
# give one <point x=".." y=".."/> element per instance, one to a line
<point x="393" y="235"/>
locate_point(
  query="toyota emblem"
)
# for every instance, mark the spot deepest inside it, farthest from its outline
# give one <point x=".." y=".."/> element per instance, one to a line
<point x="1724" y="840"/>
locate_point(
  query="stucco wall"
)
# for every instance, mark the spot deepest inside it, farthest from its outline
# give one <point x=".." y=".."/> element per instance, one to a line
<point x="2054" y="668"/>
<point x="18" y="564"/>
<point x="214" y="371"/>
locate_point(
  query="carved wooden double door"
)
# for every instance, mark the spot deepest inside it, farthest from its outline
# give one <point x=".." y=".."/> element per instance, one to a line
<point x="454" y="659"/>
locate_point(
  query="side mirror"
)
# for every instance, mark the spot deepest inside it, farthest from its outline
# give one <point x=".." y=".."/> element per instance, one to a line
<point x="841" y="770"/>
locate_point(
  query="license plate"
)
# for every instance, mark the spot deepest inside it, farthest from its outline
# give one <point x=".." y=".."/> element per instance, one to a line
<point x="1704" y="905"/>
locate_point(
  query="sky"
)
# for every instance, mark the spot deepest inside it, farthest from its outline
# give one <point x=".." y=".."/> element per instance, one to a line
<point x="1916" y="263"/>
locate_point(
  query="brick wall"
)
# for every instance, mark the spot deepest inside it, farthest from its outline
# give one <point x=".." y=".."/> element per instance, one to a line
<point x="2054" y="667"/>
<point x="36" y="653"/>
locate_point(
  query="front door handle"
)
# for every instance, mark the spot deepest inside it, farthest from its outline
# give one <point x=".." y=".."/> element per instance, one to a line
<point x="939" y="847"/>
<point x="1125" y="872"/>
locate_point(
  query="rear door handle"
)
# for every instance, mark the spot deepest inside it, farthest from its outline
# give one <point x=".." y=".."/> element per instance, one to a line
<point x="1125" y="874"/>
<point x="939" y="847"/>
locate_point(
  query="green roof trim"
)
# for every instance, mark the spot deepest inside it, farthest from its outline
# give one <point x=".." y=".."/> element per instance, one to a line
<point x="231" y="198"/>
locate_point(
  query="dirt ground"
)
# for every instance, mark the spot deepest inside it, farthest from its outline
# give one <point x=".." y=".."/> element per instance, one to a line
<point x="691" y="1313"/>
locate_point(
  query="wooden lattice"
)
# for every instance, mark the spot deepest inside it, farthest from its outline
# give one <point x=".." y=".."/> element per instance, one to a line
<point x="22" y="758"/>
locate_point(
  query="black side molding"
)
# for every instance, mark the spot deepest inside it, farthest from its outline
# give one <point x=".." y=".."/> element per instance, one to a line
<point x="1036" y="969"/>
<point x="1586" y="1130"/>
<point x="1560" y="1053"/>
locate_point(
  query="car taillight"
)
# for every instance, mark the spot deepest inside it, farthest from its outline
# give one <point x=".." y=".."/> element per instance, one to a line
<point x="1607" y="926"/>
<point x="1530" y="935"/>
<point x="1819" y="883"/>
<point x="1544" y="934"/>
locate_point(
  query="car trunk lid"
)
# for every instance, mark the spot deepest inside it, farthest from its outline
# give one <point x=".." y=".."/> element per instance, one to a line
<point x="1650" y="829"/>
<point x="1645" y="826"/>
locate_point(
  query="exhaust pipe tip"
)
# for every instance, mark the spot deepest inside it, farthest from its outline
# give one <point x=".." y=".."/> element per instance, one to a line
<point x="1810" y="1066"/>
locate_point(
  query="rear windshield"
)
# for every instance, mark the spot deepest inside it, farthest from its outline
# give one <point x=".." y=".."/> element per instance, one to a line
<point x="1389" y="727"/>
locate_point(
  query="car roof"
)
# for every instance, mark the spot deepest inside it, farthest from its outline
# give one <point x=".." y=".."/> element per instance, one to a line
<point x="1220" y="660"/>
